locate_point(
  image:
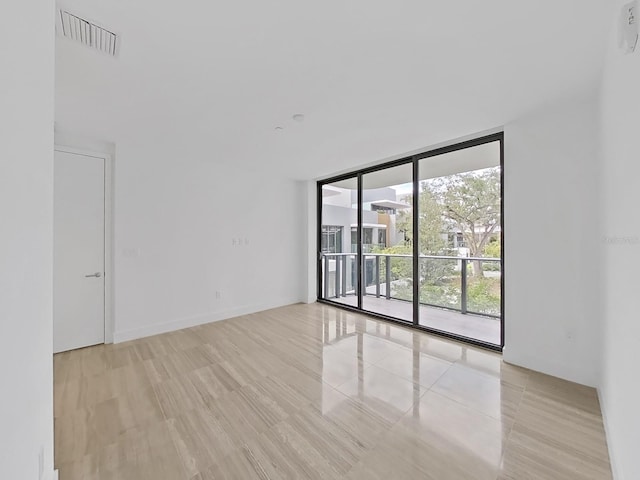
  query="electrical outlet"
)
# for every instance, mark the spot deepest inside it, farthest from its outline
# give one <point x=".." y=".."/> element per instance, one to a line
<point x="629" y="27"/>
<point x="239" y="241"/>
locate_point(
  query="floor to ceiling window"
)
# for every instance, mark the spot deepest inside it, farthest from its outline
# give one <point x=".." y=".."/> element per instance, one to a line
<point x="338" y="241"/>
<point x="460" y="242"/>
<point x="419" y="240"/>
<point x="387" y="266"/>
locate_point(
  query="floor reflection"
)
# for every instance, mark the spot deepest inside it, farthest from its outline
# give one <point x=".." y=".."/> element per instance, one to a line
<point x="454" y="411"/>
<point x="443" y="394"/>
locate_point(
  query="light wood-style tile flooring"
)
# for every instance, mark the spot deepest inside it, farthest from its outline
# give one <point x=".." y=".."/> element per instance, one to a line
<point x="311" y="391"/>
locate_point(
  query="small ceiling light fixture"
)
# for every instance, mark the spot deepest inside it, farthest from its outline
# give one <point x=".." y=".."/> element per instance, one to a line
<point x="298" y="117"/>
<point x="279" y="129"/>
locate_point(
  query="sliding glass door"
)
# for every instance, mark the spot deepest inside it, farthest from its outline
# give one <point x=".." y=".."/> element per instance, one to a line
<point x="419" y="241"/>
<point x="387" y="243"/>
<point x="460" y="242"/>
<point x="339" y="242"/>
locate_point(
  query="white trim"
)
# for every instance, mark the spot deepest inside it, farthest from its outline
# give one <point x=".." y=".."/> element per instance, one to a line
<point x="109" y="325"/>
<point x="52" y="475"/>
<point x="174" y="325"/>
<point x="607" y="432"/>
<point x="390" y="204"/>
<point x="370" y="225"/>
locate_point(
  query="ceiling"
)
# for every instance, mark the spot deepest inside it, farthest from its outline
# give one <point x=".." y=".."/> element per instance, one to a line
<point x="373" y="78"/>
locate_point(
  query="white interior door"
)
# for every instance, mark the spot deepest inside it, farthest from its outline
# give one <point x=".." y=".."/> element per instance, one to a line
<point x="79" y="251"/>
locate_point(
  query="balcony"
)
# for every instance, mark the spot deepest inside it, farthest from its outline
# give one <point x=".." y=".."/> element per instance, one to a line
<point x="458" y="295"/>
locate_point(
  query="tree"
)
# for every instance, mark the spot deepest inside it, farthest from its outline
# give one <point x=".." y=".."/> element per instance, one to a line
<point x="493" y="248"/>
<point x="470" y="202"/>
<point x="430" y="221"/>
<point x="432" y="239"/>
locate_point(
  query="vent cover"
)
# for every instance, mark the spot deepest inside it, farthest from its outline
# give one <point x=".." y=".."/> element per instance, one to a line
<point x="83" y="31"/>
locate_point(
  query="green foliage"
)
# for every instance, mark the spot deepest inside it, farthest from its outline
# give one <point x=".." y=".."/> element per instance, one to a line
<point x="437" y="271"/>
<point x="468" y="203"/>
<point x="471" y="201"/>
<point x="491" y="266"/>
<point x="433" y="271"/>
<point x="401" y="249"/>
<point x="483" y="295"/>
<point x="430" y="222"/>
<point x="401" y="267"/>
<point x="493" y="248"/>
<point x="441" y="295"/>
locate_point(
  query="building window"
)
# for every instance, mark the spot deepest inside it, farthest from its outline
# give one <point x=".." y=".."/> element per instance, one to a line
<point x="367" y="236"/>
<point x="382" y="237"/>
<point x="381" y="209"/>
<point x="331" y="239"/>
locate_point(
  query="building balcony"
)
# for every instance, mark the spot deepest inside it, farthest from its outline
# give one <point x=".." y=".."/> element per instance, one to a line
<point x="458" y="295"/>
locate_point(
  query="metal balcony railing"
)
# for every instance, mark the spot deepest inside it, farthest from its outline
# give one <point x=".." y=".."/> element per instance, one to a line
<point x="340" y="278"/>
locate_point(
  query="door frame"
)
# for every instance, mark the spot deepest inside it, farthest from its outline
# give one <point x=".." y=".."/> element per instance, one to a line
<point x="109" y="321"/>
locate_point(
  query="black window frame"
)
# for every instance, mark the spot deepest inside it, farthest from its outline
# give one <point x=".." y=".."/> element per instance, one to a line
<point x="414" y="160"/>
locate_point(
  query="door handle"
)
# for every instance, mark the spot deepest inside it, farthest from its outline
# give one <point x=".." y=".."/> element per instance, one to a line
<point x="97" y="275"/>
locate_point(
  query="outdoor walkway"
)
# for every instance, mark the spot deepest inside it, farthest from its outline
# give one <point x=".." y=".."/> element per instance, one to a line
<point x="485" y="329"/>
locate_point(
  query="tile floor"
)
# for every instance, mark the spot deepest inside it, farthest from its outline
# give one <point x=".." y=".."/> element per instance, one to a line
<point x="312" y="391"/>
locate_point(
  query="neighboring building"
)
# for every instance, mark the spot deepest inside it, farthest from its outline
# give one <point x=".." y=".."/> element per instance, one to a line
<point x="340" y="217"/>
<point x="339" y="231"/>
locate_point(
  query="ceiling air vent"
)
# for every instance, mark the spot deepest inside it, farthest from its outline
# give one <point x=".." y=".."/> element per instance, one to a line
<point x="83" y="31"/>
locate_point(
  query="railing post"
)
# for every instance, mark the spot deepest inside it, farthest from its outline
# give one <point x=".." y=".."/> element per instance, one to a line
<point x="337" y="292"/>
<point x="364" y="275"/>
<point x="344" y="276"/>
<point x="378" y="276"/>
<point x="387" y="275"/>
<point x="353" y="275"/>
<point x="463" y="286"/>
<point x="325" y="277"/>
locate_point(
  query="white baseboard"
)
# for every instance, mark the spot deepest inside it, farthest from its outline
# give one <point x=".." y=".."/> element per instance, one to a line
<point x="607" y="432"/>
<point x="53" y="475"/>
<point x="149" y="330"/>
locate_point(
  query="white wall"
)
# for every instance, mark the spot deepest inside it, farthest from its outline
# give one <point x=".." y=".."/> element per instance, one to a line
<point x="620" y="388"/>
<point x="551" y="266"/>
<point x="26" y="243"/>
<point x="177" y="216"/>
